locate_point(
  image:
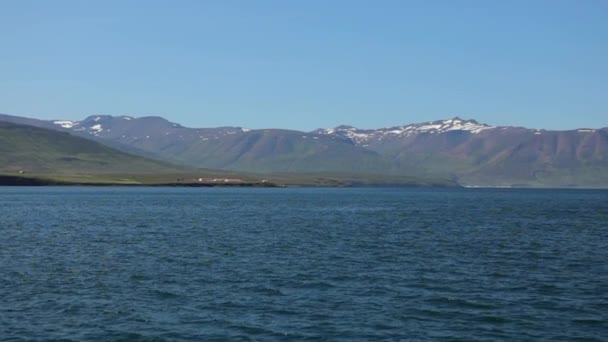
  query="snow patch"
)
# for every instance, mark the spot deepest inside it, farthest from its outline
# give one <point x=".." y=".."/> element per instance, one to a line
<point x="65" y="123"/>
<point x="427" y="128"/>
<point x="466" y="126"/>
<point x="97" y="127"/>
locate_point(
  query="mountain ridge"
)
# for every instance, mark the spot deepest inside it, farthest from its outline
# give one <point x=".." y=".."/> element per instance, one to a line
<point x="9" y="117"/>
<point x="465" y="150"/>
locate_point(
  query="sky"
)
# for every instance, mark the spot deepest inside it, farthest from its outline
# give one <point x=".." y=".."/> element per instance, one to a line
<point x="308" y="64"/>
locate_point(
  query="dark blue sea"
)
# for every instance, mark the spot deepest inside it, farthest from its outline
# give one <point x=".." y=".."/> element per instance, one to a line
<point x="184" y="264"/>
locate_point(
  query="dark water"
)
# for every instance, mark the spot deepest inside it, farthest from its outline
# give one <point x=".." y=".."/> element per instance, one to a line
<point x="303" y="264"/>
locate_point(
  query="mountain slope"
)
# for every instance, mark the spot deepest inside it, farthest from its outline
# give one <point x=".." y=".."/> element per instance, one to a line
<point x="566" y="158"/>
<point x="281" y="151"/>
<point x="480" y="154"/>
<point x="37" y="150"/>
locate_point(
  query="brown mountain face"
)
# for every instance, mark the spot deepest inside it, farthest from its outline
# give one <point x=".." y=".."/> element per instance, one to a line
<point x="470" y="152"/>
<point x="479" y="154"/>
<point x="567" y="158"/>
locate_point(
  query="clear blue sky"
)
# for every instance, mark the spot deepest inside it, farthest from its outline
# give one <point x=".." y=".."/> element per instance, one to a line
<point x="308" y="64"/>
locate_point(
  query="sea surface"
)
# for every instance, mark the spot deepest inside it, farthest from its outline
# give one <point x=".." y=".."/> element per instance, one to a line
<point x="199" y="264"/>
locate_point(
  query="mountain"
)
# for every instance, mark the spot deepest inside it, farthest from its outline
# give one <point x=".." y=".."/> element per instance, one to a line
<point x="234" y="148"/>
<point x="37" y="150"/>
<point x="480" y="154"/>
<point x="470" y="152"/>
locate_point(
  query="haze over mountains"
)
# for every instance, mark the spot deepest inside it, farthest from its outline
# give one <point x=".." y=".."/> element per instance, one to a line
<point x="470" y="152"/>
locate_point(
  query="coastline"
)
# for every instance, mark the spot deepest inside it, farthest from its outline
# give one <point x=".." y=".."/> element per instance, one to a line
<point x="162" y="181"/>
<point x="6" y="180"/>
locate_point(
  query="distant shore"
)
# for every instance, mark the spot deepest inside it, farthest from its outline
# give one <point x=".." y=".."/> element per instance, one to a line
<point x="139" y="181"/>
<point x="39" y="181"/>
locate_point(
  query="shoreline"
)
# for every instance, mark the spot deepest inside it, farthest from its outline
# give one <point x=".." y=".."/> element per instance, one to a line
<point x="6" y="180"/>
<point x="18" y="180"/>
<point x="15" y="181"/>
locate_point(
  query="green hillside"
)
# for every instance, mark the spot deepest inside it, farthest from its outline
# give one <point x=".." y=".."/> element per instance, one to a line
<point x="40" y="151"/>
<point x="274" y="150"/>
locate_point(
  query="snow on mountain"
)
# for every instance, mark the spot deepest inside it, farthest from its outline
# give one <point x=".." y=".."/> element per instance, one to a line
<point x="362" y="136"/>
<point x="98" y="125"/>
<point x="65" y="123"/>
<point x="128" y="128"/>
<point x="96" y="128"/>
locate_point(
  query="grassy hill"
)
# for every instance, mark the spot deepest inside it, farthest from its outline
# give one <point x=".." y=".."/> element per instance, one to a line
<point x="40" y="151"/>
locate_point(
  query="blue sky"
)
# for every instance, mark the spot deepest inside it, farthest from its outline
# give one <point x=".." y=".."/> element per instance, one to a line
<point x="308" y="64"/>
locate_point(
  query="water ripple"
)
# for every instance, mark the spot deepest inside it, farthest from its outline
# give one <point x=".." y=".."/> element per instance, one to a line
<point x="90" y="264"/>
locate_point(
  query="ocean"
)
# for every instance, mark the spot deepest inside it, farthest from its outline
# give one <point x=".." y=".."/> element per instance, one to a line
<point x="302" y="264"/>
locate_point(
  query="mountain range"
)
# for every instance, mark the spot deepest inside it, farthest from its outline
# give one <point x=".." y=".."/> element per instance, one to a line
<point x="466" y="151"/>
